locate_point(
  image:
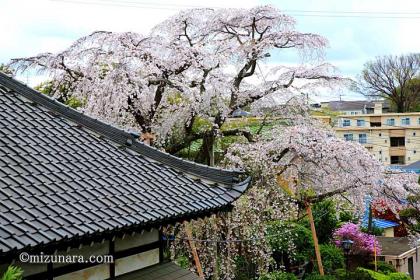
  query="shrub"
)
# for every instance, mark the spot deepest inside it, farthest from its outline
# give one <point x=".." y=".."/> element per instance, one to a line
<point x="358" y="274"/>
<point x="295" y="240"/>
<point x="340" y="273"/>
<point x="183" y="262"/>
<point x="278" y="275"/>
<point x="398" y="276"/>
<point x="12" y="273"/>
<point x="382" y="267"/>
<point x="314" y="276"/>
<point x="325" y="219"/>
<point x="363" y="242"/>
<point x="332" y="258"/>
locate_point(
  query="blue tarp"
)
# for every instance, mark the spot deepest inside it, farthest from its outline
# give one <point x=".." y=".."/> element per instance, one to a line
<point x="414" y="167"/>
<point x="377" y="223"/>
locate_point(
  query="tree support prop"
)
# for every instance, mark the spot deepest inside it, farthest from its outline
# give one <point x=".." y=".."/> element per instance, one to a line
<point x="315" y="238"/>
<point x="188" y="231"/>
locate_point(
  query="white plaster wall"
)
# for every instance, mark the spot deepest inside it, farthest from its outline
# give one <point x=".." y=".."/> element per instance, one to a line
<point x="130" y="241"/>
<point x="135" y="262"/>
<point x="99" y="272"/>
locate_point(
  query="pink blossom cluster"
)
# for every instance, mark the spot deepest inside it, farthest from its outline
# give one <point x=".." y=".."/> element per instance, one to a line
<point x="363" y="243"/>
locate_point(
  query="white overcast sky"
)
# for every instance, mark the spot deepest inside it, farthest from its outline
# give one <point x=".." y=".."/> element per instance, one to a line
<point x="29" y="27"/>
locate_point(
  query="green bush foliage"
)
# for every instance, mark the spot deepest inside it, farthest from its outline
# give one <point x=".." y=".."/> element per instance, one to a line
<point x="332" y="258"/>
<point x="319" y="277"/>
<point x="382" y="267"/>
<point x="12" y="273"/>
<point x="368" y="274"/>
<point x="183" y="262"/>
<point x="278" y="275"/>
<point x="398" y="276"/>
<point x="294" y="236"/>
<point x="325" y="219"/>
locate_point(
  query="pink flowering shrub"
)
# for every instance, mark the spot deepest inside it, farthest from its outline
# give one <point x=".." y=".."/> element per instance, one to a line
<point x="363" y="243"/>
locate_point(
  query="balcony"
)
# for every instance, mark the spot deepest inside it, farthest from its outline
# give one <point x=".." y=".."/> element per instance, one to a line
<point x="397" y="151"/>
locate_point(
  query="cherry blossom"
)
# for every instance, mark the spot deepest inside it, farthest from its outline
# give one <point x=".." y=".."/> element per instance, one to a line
<point x="198" y="64"/>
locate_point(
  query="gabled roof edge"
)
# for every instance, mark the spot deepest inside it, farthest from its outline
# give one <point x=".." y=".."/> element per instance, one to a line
<point x="122" y="137"/>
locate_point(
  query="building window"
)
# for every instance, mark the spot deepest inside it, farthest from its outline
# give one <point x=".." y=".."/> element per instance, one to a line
<point x="360" y="122"/>
<point x="414" y="134"/>
<point x="414" y="151"/>
<point x="390" y="122"/>
<point x="363" y="138"/>
<point x="397" y="141"/>
<point x="380" y="152"/>
<point x="380" y="134"/>
<point x="397" y="160"/>
<point x="375" y="124"/>
<point x="348" y="137"/>
<point x="405" y="121"/>
<point x="346" y="122"/>
<point x="418" y="121"/>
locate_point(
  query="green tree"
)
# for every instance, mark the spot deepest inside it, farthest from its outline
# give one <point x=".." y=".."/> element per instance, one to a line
<point x="291" y="243"/>
<point x="325" y="218"/>
<point x="393" y="78"/>
<point x="332" y="258"/>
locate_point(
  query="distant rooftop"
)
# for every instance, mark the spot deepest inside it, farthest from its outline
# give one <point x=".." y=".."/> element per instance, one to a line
<point x="354" y="105"/>
<point x="414" y="167"/>
<point x="394" y="246"/>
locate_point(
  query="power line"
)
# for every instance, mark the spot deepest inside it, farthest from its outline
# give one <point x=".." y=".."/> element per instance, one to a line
<point x="354" y="12"/>
<point x="297" y="13"/>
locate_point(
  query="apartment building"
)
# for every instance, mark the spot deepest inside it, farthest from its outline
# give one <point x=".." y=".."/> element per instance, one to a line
<point x="393" y="138"/>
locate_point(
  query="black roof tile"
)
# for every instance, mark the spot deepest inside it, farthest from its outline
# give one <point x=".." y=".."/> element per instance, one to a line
<point x="64" y="175"/>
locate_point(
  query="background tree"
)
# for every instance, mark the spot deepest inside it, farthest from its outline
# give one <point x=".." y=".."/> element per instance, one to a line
<point x="6" y="69"/>
<point x="196" y="67"/>
<point x="394" y="78"/>
<point x="292" y="165"/>
<point x="325" y="219"/>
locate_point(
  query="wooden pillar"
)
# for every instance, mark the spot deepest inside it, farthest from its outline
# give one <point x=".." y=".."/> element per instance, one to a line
<point x="161" y="246"/>
<point x="191" y="242"/>
<point x="112" y="253"/>
<point x="315" y="238"/>
<point x="50" y="271"/>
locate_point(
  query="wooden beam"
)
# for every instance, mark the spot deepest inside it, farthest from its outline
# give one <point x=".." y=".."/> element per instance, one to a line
<point x="315" y="238"/>
<point x="191" y="242"/>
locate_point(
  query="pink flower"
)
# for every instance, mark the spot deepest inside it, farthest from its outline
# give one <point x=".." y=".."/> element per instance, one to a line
<point x="363" y="243"/>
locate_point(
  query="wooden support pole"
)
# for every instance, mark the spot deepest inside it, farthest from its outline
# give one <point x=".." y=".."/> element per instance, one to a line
<point x="188" y="231"/>
<point x="315" y="238"/>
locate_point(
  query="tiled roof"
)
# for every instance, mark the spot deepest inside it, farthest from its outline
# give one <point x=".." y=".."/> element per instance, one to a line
<point x="394" y="246"/>
<point x="64" y="175"/>
<point x="165" y="271"/>
<point x="353" y="105"/>
<point x="413" y="167"/>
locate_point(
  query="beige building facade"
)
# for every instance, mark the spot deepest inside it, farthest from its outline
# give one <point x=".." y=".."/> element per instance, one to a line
<point x="398" y="252"/>
<point x="393" y="138"/>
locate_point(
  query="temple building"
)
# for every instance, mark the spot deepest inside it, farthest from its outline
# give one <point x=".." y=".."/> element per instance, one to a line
<point x="71" y="185"/>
